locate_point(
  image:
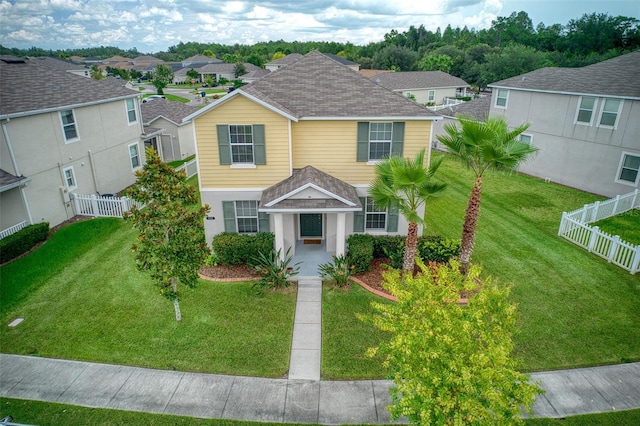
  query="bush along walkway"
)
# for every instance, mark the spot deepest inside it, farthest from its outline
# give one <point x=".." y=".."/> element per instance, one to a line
<point x="299" y="398"/>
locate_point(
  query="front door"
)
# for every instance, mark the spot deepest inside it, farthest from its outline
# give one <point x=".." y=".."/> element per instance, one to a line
<point x="311" y="225"/>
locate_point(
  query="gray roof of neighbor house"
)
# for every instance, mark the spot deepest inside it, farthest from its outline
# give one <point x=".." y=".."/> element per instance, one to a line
<point x="286" y="60"/>
<point x="9" y="181"/>
<point x="340" y="59"/>
<point x="58" y="64"/>
<point x="316" y="86"/>
<point x="161" y="108"/>
<point x="408" y="80"/>
<point x="340" y="194"/>
<point x="224" y="68"/>
<point x="619" y="76"/>
<point x="477" y="108"/>
<point x="55" y="90"/>
<point x="203" y="59"/>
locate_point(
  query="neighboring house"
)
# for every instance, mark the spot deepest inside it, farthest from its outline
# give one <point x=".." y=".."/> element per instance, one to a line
<point x="63" y="65"/>
<point x="477" y="109"/>
<point x="426" y="87"/>
<point x="282" y="62"/>
<point x="295" y="152"/>
<point x="218" y="71"/>
<point x="585" y="121"/>
<point x="199" y="60"/>
<point x="252" y="76"/>
<point x="67" y="134"/>
<point x="172" y="138"/>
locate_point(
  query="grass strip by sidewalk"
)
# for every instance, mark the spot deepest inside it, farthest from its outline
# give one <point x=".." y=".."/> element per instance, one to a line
<point x="98" y="307"/>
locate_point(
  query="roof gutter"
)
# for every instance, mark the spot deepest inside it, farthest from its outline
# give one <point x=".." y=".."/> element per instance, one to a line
<point x="17" y="184"/>
<point x="374" y="118"/>
<point x="561" y="92"/>
<point x="65" y="107"/>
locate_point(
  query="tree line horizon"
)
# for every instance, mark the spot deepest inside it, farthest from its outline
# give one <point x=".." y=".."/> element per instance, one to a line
<point x="511" y="46"/>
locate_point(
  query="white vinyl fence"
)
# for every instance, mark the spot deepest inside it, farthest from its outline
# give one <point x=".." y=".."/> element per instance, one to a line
<point x="190" y="168"/>
<point x="12" y="229"/>
<point x="92" y="205"/>
<point x="574" y="227"/>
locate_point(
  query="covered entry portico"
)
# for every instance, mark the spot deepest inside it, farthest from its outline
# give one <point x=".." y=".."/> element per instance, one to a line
<point x="312" y="208"/>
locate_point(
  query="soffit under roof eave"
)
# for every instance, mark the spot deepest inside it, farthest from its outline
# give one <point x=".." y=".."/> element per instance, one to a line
<point x="310" y="210"/>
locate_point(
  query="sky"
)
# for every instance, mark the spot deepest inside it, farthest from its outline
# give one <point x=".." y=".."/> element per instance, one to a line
<point x="155" y="25"/>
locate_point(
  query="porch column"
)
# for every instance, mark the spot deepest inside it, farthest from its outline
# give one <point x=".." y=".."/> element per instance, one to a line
<point x="340" y="233"/>
<point x="278" y="221"/>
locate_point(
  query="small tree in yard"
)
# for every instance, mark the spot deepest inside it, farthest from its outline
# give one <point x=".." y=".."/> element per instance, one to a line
<point x="171" y="244"/>
<point x="451" y="363"/>
<point x="162" y="76"/>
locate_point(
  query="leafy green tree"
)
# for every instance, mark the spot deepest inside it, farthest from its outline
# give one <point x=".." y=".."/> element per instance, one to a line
<point x="277" y="55"/>
<point x="231" y="58"/>
<point x="406" y="184"/>
<point x="162" y="76"/>
<point x="481" y="146"/>
<point x="239" y="70"/>
<point x="392" y="56"/>
<point x="171" y="245"/>
<point x="516" y="28"/>
<point x="209" y="53"/>
<point x="512" y="60"/>
<point x="451" y="363"/>
<point x="135" y="74"/>
<point x="193" y="75"/>
<point x="209" y="80"/>
<point x="96" y="73"/>
<point x="256" y="60"/>
<point x="599" y="32"/>
<point x="436" y="63"/>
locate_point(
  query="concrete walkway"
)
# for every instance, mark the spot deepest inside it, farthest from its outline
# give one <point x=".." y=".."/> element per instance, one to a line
<point x="307" y="331"/>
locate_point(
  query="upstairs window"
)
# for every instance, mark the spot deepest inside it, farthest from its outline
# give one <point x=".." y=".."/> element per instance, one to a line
<point x="69" y="126"/>
<point x="380" y="140"/>
<point x="610" y="112"/>
<point x="586" y="106"/>
<point x="131" y="110"/>
<point x="242" y="145"/>
<point x="502" y="96"/>
<point x="629" y="169"/>
<point x="241" y="139"/>
<point x="431" y="96"/>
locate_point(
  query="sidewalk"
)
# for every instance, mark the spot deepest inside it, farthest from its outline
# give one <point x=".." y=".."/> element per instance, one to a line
<point x="302" y="398"/>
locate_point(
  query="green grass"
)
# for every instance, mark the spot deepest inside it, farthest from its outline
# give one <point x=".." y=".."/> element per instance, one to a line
<point x="575" y="308"/>
<point x="178" y="163"/>
<point x="345" y="337"/>
<point x="95" y="297"/>
<point x="626" y="225"/>
<point x="51" y="413"/>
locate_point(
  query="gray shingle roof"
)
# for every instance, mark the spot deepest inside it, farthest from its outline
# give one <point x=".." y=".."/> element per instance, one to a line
<point x="170" y="110"/>
<point x="408" y="80"/>
<point x="9" y="181"/>
<point x="618" y="76"/>
<point x="224" y="68"/>
<point x="476" y="108"/>
<point x="310" y="176"/>
<point x="286" y="60"/>
<point x="317" y="86"/>
<point x="58" y="64"/>
<point x="56" y="89"/>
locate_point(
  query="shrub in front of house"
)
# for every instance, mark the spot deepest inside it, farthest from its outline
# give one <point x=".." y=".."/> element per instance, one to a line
<point x="360" y="251"/>
<point x="237" y="249"/>
<point x="436" y="248"/>
<point x="22" y="241"/>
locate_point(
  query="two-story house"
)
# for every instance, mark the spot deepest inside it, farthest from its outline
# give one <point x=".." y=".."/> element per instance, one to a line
<point x="585" y="121"/>
<point x="165" y="131"/>
<point x="62" y="134"/>
<point x="425" y="87"/>
<point x="294" y="153"/>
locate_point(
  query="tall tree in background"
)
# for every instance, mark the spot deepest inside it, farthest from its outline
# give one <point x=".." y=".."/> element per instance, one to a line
<point x="436" y="63"/>
<point x="162" y="76"/>
<point x="482" y="146"/>
<point x="406" y="184"/>
<point x="171" y="245"/>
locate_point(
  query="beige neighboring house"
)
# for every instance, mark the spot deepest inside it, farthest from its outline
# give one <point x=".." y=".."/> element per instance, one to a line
<point x="165" y="131"/>
<point x="65" y="135"/>
<point x="294" y="154"/>
<point x="218" y="71"/>
<point x="430" y="88"/>
<point x="585" y="121"/>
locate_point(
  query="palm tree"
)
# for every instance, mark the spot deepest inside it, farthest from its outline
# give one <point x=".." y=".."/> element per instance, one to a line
<point x="406" y="184"/>
<point x="481" y="146"/>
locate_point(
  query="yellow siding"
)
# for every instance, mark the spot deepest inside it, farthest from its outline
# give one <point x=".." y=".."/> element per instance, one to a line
<point x="331" y="147"/>
<point x="240" y="110"/>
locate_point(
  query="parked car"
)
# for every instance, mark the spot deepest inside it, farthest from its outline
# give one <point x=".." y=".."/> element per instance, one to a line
<point x="152" y="97"/>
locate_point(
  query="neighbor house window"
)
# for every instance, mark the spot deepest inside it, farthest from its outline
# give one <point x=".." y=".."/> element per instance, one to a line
<point x="431" y="96"/>
<point x="134" y="155"/>
<point x="70" y="178"/>
<point x="380" y="135"/>
<point x="501" y="98"/>
<point x="525" y="138"/>
<point x="586" y="106"/>
<point x="375" y="217"/>
<point x="69" y="126"/>
<point x="131" y="110"/>
<point x="241" y="140"/>
<point x="610" y="112"/>
<point x="247" y="217"/>
<point x="629" y="169"/>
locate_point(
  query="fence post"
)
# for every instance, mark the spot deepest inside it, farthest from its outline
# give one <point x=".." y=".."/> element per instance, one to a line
<point x="615" y="205"/>
<point x="596" y="210"/>
<point x="613" y="248"/>
<point x="94" y="205"/>
<point x="635" y="198"/>
<point x="562" y="221"/>
<point x="584" y="213"/>
<point x="635" y="263"/>
<point x="593" y="237"/>
<point x="75" y="203"/>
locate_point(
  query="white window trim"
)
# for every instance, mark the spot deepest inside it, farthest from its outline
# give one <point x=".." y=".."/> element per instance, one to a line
<point x="602" y="104"/>
<point x="506" y="99"/>
<point x="242" y="165"/>
<point x="593" y="112"/>
<point x="626" y="182"/>
<point x="73" y="176"/>
<point x="131" y="158"/>
<point x="526" y="134"/>
<point x="135" y="111"/>
<point x="431" y="96"/>
<point x="75" y="124"/>
<point x="377" y="160"/>
<point x="366" y="212"/>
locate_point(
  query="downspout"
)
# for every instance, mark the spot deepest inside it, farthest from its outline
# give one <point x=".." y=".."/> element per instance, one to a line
<point x="93" y="171"/>
<point x="17" y="170"/>
<point x="290" y="150"/>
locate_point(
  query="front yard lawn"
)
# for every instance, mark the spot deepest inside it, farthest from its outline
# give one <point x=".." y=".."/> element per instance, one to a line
<point x="93" y="304"/>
